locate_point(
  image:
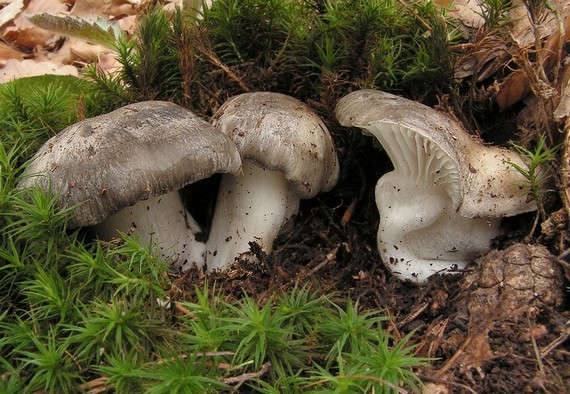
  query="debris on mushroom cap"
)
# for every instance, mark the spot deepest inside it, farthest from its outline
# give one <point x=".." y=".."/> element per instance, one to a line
<point x="113" y="160"/>
<point x="259" y="121"/>
<point x="480" y="180"/>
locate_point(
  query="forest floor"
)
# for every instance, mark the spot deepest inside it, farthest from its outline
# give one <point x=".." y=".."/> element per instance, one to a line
<point x="503" y="326"/>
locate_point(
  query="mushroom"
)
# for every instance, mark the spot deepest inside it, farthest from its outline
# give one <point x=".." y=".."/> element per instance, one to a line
<point x="123" y="170"/>
<point x="288" y="155"/>
<point x="441" y="206"/>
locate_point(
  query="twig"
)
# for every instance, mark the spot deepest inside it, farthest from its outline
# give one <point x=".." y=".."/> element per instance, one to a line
<point x="349" y="212"/>
<point x="329" y="258"/>
<point x="432" y="339"/>
<point x="184" y="310"/>
<point x="216" y="61"/>
<point x="535" y="350"/>
<point x="247" y="376"/>
<point x="557" y="342"/>
<point x="96" y="386"/>
<point x="564" y="254"/>
<point x="412" y="316"/>
<point x="564" y="171"/>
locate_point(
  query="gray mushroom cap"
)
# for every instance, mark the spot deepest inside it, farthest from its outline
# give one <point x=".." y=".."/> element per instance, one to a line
<point x="279" y="132"/>
<point x="109" y="162"/>
<point x="431" y="146"/>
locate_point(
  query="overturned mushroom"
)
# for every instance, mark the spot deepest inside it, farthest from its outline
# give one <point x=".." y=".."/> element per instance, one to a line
<point x="441" y="206"/>
<point x="123" y="170"/>
<point x="287" y="155"/>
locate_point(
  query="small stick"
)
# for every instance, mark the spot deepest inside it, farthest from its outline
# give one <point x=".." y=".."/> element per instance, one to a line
<point x="412" y="316"/>
<point x="564" y="171"/>
<point x="349" y="212"/>
<point x="558" y="341"/>
<point x="329" y="258"/>
<point x="247" y="376"/>
<point x="184" y="310"/>
<point x="96" y="386"/>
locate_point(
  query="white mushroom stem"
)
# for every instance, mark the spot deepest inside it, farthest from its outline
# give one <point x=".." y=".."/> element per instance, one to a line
<point x="252" y="207"/>
<point x="162" y="221"/>
<point x="420" y="233"/>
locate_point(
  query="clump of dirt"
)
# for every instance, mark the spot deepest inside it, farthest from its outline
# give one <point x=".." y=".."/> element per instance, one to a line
<point x="499" y="318"/>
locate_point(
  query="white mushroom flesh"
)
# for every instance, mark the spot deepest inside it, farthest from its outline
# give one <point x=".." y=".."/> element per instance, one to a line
<point x="163" y="223"/>
<point x="420" y="233"/>
<point x="252" y="207"/>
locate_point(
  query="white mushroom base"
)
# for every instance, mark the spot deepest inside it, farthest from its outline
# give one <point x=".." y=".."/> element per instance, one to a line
<point x="252" y="207"/>
<point x="163" y="222"/>
<point x="420" y="234"/>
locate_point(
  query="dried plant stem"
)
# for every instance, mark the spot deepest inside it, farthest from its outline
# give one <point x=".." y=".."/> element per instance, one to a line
<point x="564" y="171"/>
<point x="239" y="380"/>
<point x="203" y="46"/>
<point x="96" y="386"/>
<point x="557" y="342"/>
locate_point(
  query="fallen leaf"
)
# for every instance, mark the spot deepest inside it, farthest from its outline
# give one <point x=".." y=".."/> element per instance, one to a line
<point x="26" y="68"/>
<point x="129" y="24"/>
<point x="106" y="8"/>
<point x="9" y="12"/>
<point x="563" y="109"/>
<point x="24" y="34"/>
<point x="466" y="12"/>
<point x="513" y="89"/>
<point x="523" y="31"/>
<point x="109" y="64"/>
<point x="76" y="50"/>
<point x="8" y="52"/>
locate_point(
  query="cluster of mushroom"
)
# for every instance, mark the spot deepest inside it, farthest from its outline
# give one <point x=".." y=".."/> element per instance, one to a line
<point x="123" y="172"/>
<point x="439" y="209"/>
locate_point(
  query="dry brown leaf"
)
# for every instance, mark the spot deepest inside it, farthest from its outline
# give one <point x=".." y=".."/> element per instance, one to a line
<point x="7" y="52"/>
<point x="552" y="45"/>
<point x="170" y="5"/>
<point x="28" y="68"/>
<point x="563" y="109"/>
<point x="129" y="23"/>
<point x="513" y="89"/>
<point x="24" y="34"/>
<point x="9" y="12"/>
<point x="517" y="85"/>
<point x="109" y="64"/>
<point x="522" y="30"/>
<point x="482" y="59"/>
<point x="466" y="12"/>
<point x="106" y="8"/>
<point x="75" y="50"/>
